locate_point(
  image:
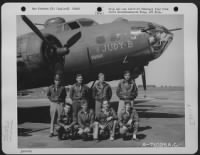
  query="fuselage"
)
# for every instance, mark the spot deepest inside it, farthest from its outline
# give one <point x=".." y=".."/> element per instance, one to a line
<point x="110" y="48"/>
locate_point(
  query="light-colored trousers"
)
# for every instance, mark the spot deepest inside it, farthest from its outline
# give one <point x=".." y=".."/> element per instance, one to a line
<point x="133" y="125"/>
<point x="98" y="105"/>
<point x="111" y="127"/>
<point x="121" y="105"/>
<point x="55" y="112"/>
<point x="94" y="129"/>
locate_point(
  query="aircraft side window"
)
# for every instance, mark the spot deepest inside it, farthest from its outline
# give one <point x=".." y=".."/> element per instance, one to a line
<point x="66" y="27"/>
<point x="100" y="40"/>
<point x="115" y="37"/>
<point x="59" y="28"/>
<point x="74" y="25"/>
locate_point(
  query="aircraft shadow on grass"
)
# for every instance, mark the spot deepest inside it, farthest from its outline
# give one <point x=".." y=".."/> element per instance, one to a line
<point x="27" y="131"/>
<point x="24" y="93"/>
<point x="42" y="114"/>
<point x="24" y="132"/>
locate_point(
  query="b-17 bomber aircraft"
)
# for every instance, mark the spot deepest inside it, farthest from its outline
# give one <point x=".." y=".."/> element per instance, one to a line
<point x="86" y="47"/>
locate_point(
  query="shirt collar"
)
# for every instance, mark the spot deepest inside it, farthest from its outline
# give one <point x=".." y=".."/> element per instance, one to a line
<point x="126" y="111"/>
<point x="103" y="110"/>
<point x="57" y="87"/>
<point x="129" y="81"/>
<point x="85" y="112"/>
<point x="103" y="83"/>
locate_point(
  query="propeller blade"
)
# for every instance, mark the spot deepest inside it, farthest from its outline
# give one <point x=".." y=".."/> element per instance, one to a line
<point x="35" y="29"/>
<point x="175" y="29"/>
<point x="73" y="40"/>
<point x="60" y="51"/>
<point x="144" y="79"/>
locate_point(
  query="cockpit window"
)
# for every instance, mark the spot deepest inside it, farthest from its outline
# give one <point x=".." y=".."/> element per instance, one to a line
<point x="100" y="40"/>
<point x="87" y="22"/>
<point x="74" y="25"/>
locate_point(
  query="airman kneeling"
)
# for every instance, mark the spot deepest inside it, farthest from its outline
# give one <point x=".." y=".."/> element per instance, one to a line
<point x="67" y="126"/>
<point x="106" y="121"/>
<point x="128" y="121"/>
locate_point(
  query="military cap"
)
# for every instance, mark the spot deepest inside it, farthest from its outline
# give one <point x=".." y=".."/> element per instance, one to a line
<point x="78" y="75"/>
<point x="127" y="72"/>
<point x="57" y="77"/>
<point x="101" y="74"/>
<point x="105" y="101"/>
<point x="127" y="102"/>
<point x="84" y="102"/>
<point x="67" y="104"/>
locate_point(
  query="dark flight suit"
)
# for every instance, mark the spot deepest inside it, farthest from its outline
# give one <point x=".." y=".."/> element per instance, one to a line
<point x="57" y="98"/>
<point x="86" y="120"/>
<point x="63" y="120"/>
<point x="108" y="125"/>
<point x="101" y="92"/>
<point x="126" y="90"/>
<point x="128" y="121"/>
<point x="78" y="93"/>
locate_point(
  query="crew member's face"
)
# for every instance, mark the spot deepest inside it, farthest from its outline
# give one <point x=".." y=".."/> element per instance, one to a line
<point x="57" y="82"/>
<point x="127" y="76"/>
<point x="101" y="78"/>
<point x="105" y="105"/>
<point x="128" y="107"/>
<point x="67" y="109"/>
<point x="84" y="106"/>
<point x="79" y="79"/>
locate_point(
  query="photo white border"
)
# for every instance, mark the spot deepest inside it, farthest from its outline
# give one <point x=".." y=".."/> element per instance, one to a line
<point x="9" y="76"/>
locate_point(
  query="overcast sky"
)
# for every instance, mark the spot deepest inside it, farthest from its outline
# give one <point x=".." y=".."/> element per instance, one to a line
<point x="168" y="69"/>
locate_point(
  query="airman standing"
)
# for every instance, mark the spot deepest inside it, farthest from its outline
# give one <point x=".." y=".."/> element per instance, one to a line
<point x="101" y="92"/>
<point x="126" y="90"/>
<point x="78" y="93"/>
<point x="56" y="94"/>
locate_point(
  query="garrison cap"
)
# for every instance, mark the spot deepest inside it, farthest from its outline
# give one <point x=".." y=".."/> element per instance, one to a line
<point x="67" y="104"/>
<point x="105" y="102"/>
<point x="127" y="102"/>
<point x="57" y="77"/>
<point x="101" y="74"/>
<point x="84" y="102"/>
<point x="78" y="75"/>
<point x="127" y="72"/>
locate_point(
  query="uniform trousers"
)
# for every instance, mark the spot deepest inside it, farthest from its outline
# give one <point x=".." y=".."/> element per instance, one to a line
<point x="121" y="105"/>
<point x="93" y="130"/>
<point x="133" y="127"/>
<point x="98" y="104"/>
<point x="76" y="106"/>
<point x="55" y="112"/>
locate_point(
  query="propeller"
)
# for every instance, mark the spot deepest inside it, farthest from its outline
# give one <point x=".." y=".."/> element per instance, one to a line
<point x="144" y="80"/>
<point x="35" y="29"/>
<point x="65" y="50"/>
<point x="61" y="51"/>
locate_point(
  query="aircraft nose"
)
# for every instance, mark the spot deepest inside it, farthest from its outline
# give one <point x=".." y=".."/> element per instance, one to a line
<point x="159" y="40"/>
